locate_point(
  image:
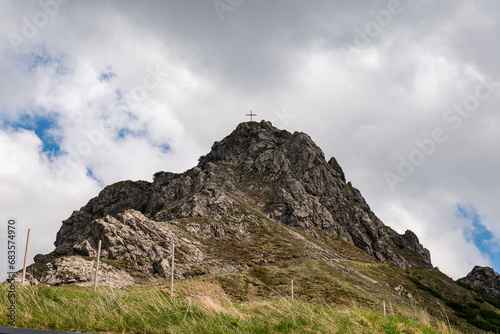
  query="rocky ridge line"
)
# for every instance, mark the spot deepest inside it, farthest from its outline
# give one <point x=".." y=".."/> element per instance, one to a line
<point x="239" y="207"/>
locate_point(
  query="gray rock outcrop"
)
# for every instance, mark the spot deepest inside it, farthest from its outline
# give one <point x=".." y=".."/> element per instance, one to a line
<point x="241" y="206"/>
<point x="484" y="281"/>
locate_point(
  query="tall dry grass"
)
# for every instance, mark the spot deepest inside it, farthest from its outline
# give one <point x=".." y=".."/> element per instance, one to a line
<point x="197" y="307"/>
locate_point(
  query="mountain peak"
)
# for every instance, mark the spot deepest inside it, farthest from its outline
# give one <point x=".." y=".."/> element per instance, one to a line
<point x="252" y="144"/>
<point x="246" y="142"/>
<point x="244" y="204"/>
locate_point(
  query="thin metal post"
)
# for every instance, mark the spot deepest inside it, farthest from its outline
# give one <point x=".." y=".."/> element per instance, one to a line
<point x="26" y="256"/>
<point x="172" y="273"/>
<point x="97" y="264"/>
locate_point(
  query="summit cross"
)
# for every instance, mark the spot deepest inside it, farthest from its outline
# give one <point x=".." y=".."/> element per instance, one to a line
<point x="251" y="115"/>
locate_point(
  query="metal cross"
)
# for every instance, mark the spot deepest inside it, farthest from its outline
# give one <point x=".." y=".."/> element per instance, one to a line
<point x="251" y="115"/>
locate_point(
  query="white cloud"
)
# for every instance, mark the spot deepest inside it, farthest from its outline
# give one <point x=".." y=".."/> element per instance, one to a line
<point x="32" y="193"/>
<point x="284" y="61"/>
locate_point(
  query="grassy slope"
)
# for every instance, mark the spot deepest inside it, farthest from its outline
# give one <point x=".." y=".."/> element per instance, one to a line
<point x="358" y="280"/>
<point x="330" y="296"/>
<point x="150" y="310"/>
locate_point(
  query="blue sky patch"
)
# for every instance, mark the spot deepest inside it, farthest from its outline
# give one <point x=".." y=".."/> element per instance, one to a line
<point x="44" y="126"/>
<point x="127" y="132"/>
<point x="119" y="97"/>
<point x="41" y="58"/>
<point x="479" y="234"/>
<point x="164" y="148"/>
<point x="90" y="173"/>
<point x="106" y="76"/>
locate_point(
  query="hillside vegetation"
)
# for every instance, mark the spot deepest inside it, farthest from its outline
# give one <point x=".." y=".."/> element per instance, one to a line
<point x="329" y="297"/>
<point x="151" y="310"/>
<point x="262" y="208"/>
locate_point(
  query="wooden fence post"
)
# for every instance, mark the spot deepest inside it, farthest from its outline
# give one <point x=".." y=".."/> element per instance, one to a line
<point x="384" y="308"/>
<point x="97" y="264"/>
<point x="172" y="273"/>
<point x="292" y="290"/>
<point x="26" y="256"/>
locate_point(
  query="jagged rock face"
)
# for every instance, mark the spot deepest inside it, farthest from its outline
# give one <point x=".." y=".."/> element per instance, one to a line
<point x="256" y="177"/>
<point x="484" y="280"/>
<point x="140" y="247"/>
<point x="311" y="192"/>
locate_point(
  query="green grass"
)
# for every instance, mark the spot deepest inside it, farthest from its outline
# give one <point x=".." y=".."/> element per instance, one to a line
<point x="151" y="310"/>
<point x="206" y="301"/>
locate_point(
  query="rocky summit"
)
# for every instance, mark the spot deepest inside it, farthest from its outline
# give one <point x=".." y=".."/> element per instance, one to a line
<point x="261" y="196"/>
<point x="484" y="281"/>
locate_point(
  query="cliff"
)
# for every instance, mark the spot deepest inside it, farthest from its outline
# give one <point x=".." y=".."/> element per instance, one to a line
<point x="261" y="195"/>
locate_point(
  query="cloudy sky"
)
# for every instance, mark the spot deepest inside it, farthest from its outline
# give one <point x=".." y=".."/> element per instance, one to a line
<point x="405" y="94"/>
